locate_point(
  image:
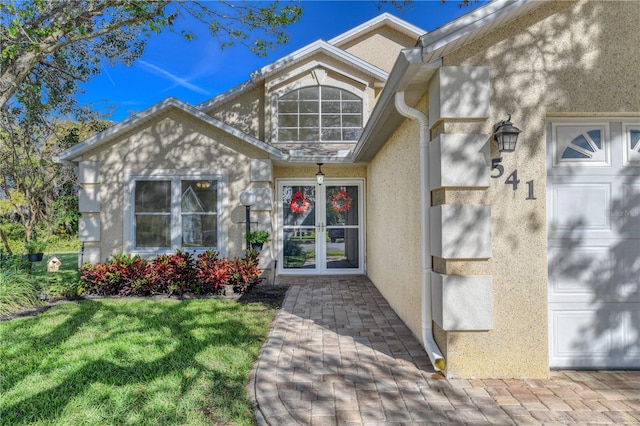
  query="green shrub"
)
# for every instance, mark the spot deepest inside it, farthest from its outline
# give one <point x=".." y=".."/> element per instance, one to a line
<point x="14" y="263"/>
<point x="18" y="290"/>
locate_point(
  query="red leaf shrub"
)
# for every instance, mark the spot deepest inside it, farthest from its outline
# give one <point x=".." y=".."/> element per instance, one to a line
<point x="245" y="272"/>
<point x="211" y="272"/>
<point x="99" y="279"/>
<point x="170" y="274"/>
<point x="122" y="274"/>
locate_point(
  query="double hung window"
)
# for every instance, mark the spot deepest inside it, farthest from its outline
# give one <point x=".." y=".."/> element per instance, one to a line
<point x="174" y="212"/>
<point x="319" y="114"/>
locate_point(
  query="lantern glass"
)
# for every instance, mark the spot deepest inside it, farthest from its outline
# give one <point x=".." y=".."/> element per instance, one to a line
<point x="506" y="134"/>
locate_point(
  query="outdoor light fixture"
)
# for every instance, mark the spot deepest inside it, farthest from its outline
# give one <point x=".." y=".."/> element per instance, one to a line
<point x="319" y="175"/>
<point x="247" y="198"/>
<point x="506" y="134"/>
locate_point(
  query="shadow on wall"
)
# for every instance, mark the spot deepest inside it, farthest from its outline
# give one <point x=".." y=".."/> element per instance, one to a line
<point x="177" y="142"/>
<point x="606" y="281"/>
<point x="572" y="58"/>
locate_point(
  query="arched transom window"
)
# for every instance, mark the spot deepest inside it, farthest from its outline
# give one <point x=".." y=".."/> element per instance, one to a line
<point x="319" y="114"/>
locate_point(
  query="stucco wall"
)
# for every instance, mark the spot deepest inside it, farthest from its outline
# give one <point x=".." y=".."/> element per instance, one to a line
<point x="309" y="172"/>
<point x="174" y="141"/>
<point x="393" y="223"/>
<point x="244" y="112"/>
<point x="381" y="48"/>
<point x="564" y="58"/>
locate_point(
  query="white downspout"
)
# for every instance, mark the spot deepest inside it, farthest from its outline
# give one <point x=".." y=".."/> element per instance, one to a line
<point x="435" y="355"/>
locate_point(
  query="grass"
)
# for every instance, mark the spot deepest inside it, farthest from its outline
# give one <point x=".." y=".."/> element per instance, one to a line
<point x="131" y="362"/>
<point x="20" y="287"/>
<point x="65" y="282"/>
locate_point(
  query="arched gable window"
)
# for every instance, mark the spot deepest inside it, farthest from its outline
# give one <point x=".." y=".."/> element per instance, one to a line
<point x="319" y="114"/>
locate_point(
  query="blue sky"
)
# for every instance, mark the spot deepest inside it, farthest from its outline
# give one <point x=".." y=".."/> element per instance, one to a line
<point x="197" y="70"/>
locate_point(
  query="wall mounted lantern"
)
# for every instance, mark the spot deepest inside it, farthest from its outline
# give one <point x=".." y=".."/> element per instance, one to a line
<point x="506" y="134"/>
<point x="247" y="198"/>
<point x="319" y="175"/>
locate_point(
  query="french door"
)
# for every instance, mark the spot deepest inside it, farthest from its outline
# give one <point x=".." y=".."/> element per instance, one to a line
<point x="320" y="227"/>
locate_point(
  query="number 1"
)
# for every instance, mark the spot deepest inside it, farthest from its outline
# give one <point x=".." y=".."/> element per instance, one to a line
<point x="530" y="185"/>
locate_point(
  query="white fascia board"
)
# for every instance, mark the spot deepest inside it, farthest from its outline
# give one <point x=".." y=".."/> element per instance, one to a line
<point x="473" y="25"/>
<point x="103" y="137"/>
<point x="385" y="18"/>
<point x="406" y="66"/>
<point x="312" y="49"/>
<point x="227" y="95"/>
<point x="106" y="135"/>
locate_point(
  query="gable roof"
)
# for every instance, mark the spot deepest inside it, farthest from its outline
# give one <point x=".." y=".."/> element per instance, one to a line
<point x="319" y="46"/>
<point x="415" y="67"/>
<point x="383" y="20"/>
<point x="315" y="48"/>
<point x="331" y="48"/>
<point x="71" y="155"/>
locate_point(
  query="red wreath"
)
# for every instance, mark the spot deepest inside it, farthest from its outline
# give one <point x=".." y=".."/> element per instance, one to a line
<point x="299" y="203"/>
<point x="340" y="202"/>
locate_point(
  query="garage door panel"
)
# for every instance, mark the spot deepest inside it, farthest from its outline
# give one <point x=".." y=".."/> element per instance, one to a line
<point x="578" y="271"/>
<point x="626" y="213"/>
<point x="590" y="270"/>
<point x="592" y="214"/>
<point x="593" y="223"/>
<point x="594" y="336"/>
<point x="626" y="276"/>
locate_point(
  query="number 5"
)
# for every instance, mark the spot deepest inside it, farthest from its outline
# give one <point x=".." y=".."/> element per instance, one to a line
<point x="495" y="164"/>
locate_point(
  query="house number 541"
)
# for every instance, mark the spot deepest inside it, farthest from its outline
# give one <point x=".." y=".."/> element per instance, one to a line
<point x="512" y="179"/>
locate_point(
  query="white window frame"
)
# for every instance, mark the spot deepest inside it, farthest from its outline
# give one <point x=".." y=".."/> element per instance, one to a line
<point x="358" y="87"/>
<point x="321" y="114"/>
<point x="584" y="126"/>
<point x="630" y="159"/>
<point x="175" y="177"/>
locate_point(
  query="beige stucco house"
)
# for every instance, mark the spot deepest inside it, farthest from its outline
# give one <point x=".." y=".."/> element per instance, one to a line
<point x="504" y="264"/>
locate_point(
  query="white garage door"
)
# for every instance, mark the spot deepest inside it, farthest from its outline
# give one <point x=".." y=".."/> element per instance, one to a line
<point x="593" y="211"/>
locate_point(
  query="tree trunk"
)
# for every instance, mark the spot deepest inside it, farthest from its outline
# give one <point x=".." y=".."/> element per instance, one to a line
<point x="5" y="242"/>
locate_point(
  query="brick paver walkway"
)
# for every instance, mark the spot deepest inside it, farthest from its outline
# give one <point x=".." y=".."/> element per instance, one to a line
<point x="338" y="354"/>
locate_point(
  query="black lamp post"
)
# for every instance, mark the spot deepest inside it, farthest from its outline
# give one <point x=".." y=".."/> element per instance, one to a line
<point x="506" y="134"/>
<point x="319" y="175"/>
<point x="247" y="198"/>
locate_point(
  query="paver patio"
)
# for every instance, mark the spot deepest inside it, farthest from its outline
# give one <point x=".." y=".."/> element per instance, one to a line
<point x="338" y="354"/>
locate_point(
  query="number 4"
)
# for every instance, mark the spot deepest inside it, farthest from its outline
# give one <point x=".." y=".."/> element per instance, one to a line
<point x="513" y="180"/>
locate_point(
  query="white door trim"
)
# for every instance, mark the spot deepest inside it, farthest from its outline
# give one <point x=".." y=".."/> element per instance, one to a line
<point x="320" y="212"/>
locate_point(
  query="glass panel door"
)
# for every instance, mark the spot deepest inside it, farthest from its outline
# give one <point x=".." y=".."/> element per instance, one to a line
<point x="299" y="227"/>
<point x="342" y="248"/>
<point x="321" y="229"/>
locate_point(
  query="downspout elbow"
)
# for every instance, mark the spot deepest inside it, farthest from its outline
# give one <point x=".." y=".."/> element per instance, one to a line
<point x="435" y="355"/>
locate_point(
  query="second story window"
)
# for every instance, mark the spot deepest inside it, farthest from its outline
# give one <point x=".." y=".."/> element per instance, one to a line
<point x="319" y="114"/>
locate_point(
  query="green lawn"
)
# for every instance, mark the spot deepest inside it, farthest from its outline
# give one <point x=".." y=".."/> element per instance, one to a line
<point x="131" y="362"/>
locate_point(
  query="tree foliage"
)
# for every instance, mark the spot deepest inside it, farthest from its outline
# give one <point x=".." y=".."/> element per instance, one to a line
<point x="63" y="42"/>
<point x="33" y="188"/>
<point x="49" y="48"/>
